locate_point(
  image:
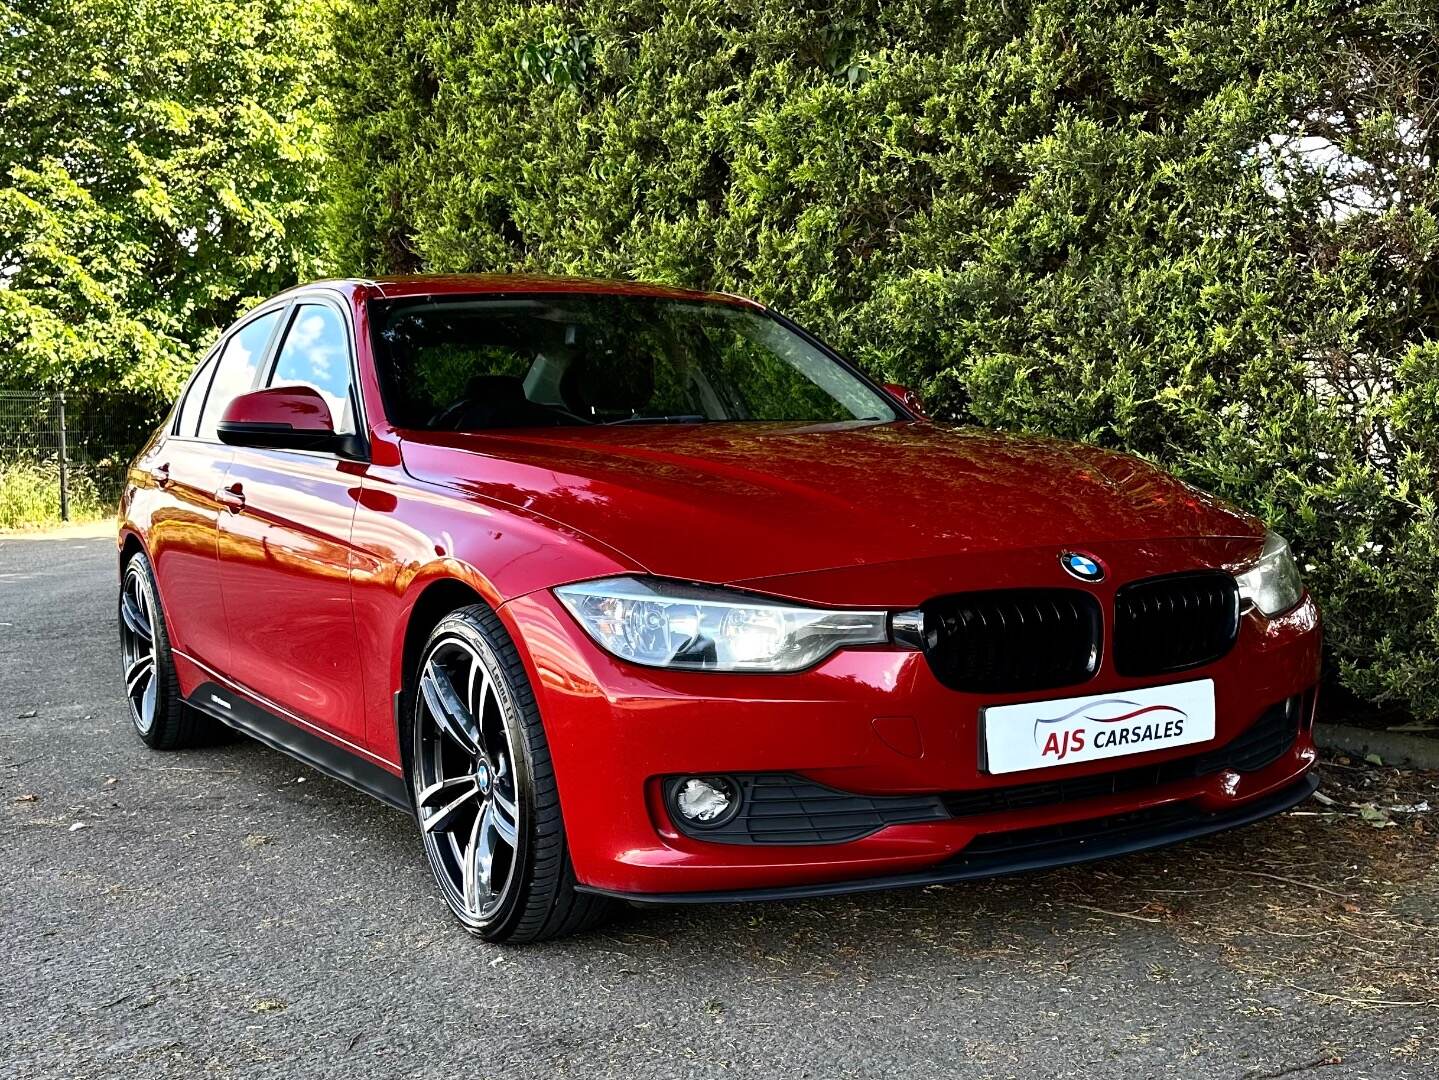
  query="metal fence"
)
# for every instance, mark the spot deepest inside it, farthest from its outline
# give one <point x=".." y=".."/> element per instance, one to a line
<point x="70" y="447"/>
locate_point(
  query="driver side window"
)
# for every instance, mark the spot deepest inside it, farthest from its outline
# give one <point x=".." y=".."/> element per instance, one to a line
<point x="316" y="353"/>
<point x="758" y="382"/>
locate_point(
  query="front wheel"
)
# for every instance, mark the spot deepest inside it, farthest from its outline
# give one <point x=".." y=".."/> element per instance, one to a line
<point x="484" y="789"/>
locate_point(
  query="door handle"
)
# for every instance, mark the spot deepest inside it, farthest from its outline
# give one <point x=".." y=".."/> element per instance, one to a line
<point x="161" y="474"/>
<point x="232" y="498"/>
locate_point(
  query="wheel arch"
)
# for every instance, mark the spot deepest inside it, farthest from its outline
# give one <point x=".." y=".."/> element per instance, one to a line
<point x="434" y="599"/>
<point x="129" y="544"/>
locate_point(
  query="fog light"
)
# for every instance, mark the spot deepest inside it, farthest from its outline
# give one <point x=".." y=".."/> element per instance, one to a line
<point x="706" y="800"/>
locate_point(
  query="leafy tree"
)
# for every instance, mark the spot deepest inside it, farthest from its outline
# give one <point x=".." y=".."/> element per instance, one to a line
<point x="160" y="167"/>
<point x="1202" y="231"/>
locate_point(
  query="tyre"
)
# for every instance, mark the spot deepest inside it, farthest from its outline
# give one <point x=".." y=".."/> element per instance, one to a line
<point x="484" y="789"/>
<point x="160" y="717"/>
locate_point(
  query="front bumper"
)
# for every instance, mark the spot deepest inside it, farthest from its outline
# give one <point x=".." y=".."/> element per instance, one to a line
<point x="1124" y="840"/>
<point x="874" y="722"/>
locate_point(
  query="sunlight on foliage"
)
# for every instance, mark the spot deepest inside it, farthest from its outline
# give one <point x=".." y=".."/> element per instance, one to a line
<point x="160" y="169"/>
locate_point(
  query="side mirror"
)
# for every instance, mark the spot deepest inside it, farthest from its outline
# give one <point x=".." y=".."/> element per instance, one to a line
<point x="282" y="417"/>
<point x="908" y="398"/>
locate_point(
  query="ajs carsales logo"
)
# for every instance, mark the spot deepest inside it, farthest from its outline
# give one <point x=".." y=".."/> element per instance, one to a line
<point x="1133" y="725"/>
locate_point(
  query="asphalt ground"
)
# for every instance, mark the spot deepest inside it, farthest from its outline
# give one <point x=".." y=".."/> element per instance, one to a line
<point x="229" y="912"/>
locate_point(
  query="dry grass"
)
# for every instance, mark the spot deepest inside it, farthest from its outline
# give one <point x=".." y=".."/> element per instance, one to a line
<point x="1339" y="902"/>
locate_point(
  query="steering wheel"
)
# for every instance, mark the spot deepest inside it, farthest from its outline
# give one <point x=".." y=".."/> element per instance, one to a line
<point x="446" y="418"/>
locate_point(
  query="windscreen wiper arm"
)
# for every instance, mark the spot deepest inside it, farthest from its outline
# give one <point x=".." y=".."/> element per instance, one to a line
<point x="680" y="418"/>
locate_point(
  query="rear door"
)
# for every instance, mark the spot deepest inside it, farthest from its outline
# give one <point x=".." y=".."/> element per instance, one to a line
<point x="285" y="542"/>
<point x="189" y="467"/>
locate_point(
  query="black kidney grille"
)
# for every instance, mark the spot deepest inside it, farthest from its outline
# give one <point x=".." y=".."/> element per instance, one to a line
<point x="1013" y="639"/>
<point x="1174" y="622"/>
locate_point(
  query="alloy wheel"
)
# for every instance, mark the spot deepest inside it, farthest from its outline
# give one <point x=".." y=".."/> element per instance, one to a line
<point x="137" y="648"/>
<point x="466" y="794"/>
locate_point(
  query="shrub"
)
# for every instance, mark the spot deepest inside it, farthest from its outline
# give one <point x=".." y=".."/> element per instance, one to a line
<point x="1203" y="233"/>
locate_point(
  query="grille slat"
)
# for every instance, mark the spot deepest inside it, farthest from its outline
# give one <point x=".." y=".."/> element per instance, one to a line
<point x="1012" y="639"/>
<point x="1174" y="622"/>
<point x="781" y="808"/>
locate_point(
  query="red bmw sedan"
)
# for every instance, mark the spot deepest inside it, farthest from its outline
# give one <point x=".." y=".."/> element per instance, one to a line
<point x="629" y="592"/>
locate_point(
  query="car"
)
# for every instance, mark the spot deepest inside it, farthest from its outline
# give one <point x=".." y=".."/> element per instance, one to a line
<point x="635" y="593"/>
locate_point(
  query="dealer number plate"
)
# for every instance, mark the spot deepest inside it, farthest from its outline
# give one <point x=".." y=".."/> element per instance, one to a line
<point x="1038" y="734"/>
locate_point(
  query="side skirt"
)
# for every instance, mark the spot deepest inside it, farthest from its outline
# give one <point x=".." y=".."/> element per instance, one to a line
<point x="323" y="756"/>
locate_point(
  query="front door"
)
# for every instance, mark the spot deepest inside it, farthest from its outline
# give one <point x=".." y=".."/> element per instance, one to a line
<point x="285" y="547"/>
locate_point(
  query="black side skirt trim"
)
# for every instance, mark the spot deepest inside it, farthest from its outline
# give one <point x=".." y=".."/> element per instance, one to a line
<point x="320" y="754"/>
<point x="1266" y="806"/>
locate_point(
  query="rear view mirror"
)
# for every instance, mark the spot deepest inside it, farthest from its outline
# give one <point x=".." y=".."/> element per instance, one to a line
<point x="282" y="417"/>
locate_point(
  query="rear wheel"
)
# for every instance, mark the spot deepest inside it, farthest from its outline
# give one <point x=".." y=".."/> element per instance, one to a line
<point x="484" y="789"/>
<point x="160" y="717"/>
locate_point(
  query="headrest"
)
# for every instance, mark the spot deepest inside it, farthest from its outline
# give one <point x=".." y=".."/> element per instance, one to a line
<point x="497" y="391"/>
<point x="496" y="401"/>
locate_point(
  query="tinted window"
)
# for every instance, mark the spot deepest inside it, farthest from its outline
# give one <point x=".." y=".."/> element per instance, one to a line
<point x="469" y="363"/>
<point x="316" y="353"/>
<point x="195" y="397"/>
<point x="239" y="364"/>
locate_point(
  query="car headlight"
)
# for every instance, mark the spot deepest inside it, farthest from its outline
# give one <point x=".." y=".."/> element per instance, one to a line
<point x="672" y="624"/>
<point x="1273" y="584"/>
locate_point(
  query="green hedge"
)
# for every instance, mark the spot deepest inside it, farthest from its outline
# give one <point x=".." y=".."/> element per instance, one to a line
<point x="1072" y="217"/>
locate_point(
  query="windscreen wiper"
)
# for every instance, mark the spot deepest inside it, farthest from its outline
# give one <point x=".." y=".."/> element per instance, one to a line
<point x="680" y="418"/>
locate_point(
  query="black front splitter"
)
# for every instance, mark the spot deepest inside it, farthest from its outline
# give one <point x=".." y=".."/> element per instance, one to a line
<point x="959" y="869"/>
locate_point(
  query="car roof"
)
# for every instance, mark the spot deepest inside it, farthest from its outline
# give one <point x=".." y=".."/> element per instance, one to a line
<point x="482" y="284"/>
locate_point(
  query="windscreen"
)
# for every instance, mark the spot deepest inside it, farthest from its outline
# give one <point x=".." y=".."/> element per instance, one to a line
<point x="472" y="363"/>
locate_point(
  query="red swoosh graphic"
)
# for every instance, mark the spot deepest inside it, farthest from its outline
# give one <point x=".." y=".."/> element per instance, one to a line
<point x="1136" y="712"/>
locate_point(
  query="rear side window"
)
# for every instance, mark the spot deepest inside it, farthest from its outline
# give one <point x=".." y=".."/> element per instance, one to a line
<point x="316" y="353"/>
<point x="239" y="364"/>
<point x="195" y="397"/>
